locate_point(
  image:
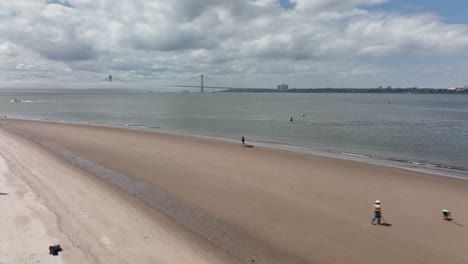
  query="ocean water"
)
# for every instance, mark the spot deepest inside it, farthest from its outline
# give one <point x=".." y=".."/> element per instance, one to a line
<point x="427" y="132"/>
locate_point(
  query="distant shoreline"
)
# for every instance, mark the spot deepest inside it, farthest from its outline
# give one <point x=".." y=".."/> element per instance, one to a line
<point x="246" y="90"/>
<point x="352" y="90"/>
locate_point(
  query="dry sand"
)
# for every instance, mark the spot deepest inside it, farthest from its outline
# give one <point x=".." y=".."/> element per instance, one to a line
<point x="48" y="201"/>
<point x="257" y="204"/>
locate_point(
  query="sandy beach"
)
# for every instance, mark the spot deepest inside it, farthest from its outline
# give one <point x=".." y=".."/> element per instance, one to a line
<point x="112" y="195"/>
<point x="47" y="201"/>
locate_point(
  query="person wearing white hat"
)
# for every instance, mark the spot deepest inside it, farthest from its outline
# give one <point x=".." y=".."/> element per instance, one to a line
<point x="377" y="213"/>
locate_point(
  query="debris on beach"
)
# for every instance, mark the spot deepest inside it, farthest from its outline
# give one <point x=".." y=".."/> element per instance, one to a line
<point x="54" y="250"/>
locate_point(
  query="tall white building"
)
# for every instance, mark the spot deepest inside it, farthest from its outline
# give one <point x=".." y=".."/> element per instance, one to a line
<point x="283" y="87"/>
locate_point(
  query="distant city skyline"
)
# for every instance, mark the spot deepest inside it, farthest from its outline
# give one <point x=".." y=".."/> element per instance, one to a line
<point x="243" y="43"/>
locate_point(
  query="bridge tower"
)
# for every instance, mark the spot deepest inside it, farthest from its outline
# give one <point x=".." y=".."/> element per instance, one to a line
<point x="202" y="89"/>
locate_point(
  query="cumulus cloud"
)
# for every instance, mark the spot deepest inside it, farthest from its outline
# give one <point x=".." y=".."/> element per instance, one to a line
<point x="315" y="43"/>
<point x="8" y="49"/>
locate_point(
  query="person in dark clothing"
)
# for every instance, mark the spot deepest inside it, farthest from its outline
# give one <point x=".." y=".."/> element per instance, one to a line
<point x="446" y="214"/>
<point x="243" y="140"/>
<point x="377" y="213"/>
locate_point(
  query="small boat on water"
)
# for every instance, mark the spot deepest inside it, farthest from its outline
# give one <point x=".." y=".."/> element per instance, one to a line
<point x="16" y="100"/>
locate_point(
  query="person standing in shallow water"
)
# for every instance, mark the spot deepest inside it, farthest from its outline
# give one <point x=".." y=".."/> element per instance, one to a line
<point x="377" y="212"/>
<point x="243" y="140"/>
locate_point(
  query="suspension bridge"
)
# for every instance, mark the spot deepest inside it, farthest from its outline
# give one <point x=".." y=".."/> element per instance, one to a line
<point x="202" y="81"/>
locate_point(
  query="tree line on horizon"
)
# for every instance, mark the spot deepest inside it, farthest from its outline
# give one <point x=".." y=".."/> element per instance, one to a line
<point x="354" y="90"/>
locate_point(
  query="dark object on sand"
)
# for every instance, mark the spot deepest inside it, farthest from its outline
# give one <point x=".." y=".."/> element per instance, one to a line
<point x="446" y="214"/>
<point x="54" y="250"/>
<point x="248" y="146"/>
<point x="243" y="140"/>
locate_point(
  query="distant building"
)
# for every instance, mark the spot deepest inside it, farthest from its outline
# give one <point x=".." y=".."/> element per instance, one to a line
<point x="283" y="87"/>
<point x="389" y="87"/>
<point x="456" y="89"/>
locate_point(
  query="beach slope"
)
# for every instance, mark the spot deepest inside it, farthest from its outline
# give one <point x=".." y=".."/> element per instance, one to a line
<point x="257" y="204"/>
<point x="46" y="201"/>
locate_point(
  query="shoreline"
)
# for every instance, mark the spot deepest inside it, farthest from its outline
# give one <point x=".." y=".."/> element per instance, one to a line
<point x="230" y="240"/>
<point x="267" y="205"/>
<point x="52" y="201"/>
<point x="415" y="165"/>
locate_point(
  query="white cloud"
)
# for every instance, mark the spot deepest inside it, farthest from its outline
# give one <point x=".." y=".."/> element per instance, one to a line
<point x="8" y="49"/>
<point x="318" y="43"/>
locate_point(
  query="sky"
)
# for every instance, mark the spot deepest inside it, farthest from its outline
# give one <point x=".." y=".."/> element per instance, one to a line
<point x="238" y="43"/>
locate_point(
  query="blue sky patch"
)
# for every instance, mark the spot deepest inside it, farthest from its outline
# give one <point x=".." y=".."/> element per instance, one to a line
<point x="60" y="2"/>
<point x="451" y="11"/>
<point x="286" y="4"/>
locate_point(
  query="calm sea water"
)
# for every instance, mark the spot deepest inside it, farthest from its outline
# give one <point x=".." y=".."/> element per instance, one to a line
<point x="416" y="131"/>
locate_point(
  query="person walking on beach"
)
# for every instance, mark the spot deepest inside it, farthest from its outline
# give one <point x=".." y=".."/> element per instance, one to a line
<point x="377" y="212"/>
<point x="446" y="214"/>
<point x="243" y="140"/>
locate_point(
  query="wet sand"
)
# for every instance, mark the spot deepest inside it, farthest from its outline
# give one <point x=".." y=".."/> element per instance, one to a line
<point x="257" y="204"/>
